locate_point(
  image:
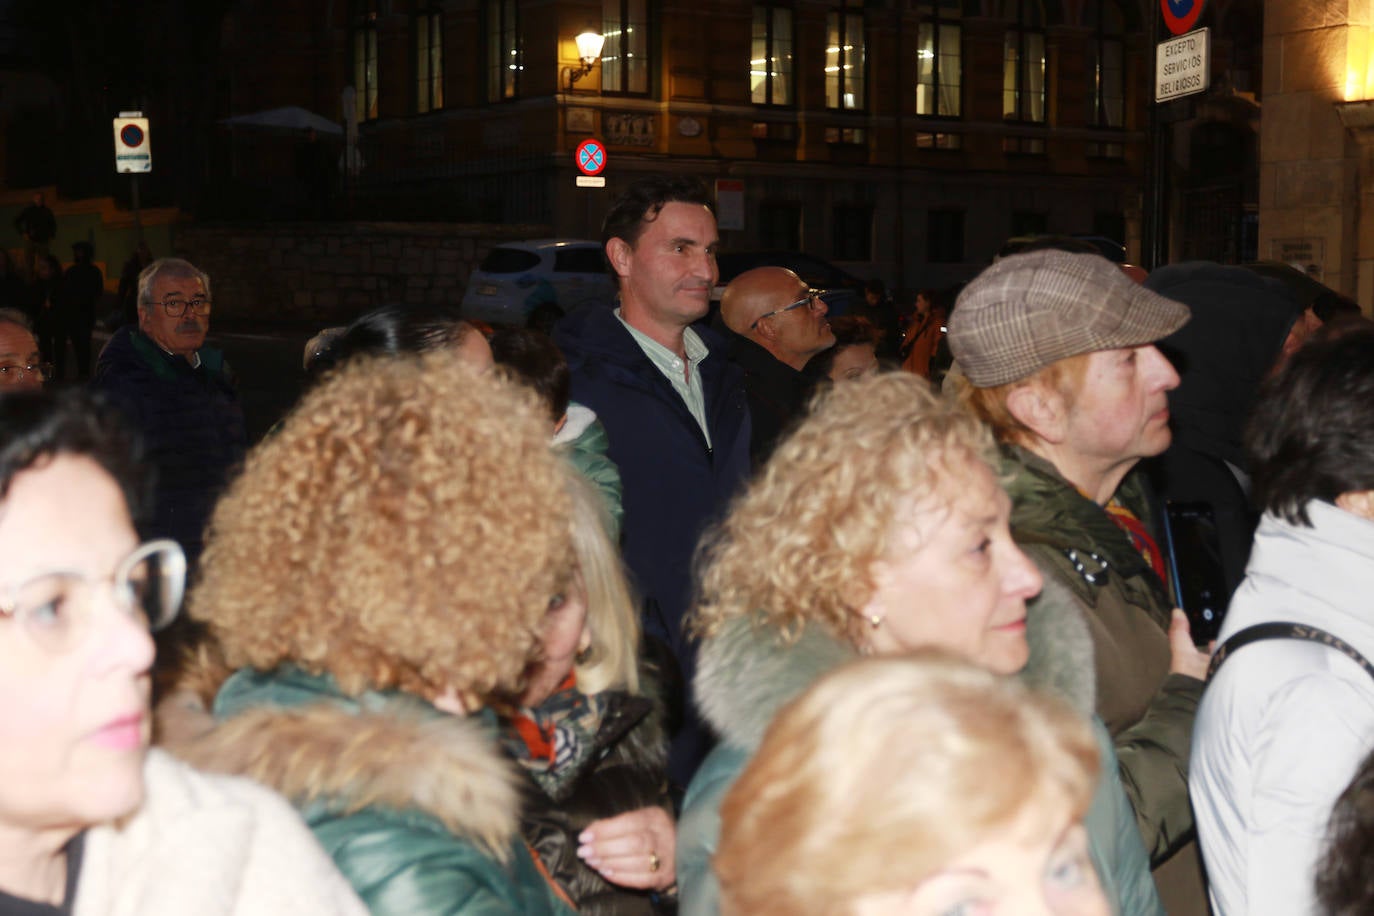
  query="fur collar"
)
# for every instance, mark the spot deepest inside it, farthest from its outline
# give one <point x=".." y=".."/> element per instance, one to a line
<point x="385" y="755"/>
<point x="746" y="673"/>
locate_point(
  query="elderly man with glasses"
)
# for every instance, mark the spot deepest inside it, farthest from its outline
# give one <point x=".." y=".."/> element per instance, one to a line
<point x="21" y="367"/>
<point x="779" y="323"/>
<point x="180" y="394"/>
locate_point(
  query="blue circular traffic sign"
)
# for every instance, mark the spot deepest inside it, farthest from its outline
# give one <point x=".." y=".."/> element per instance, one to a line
<point x="590" y="157"/>
<point x="1181" y="15"/>
<point x="131" y="135"/>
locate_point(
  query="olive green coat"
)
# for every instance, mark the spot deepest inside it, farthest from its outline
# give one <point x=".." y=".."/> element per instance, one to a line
<point x="1148" y="711"/>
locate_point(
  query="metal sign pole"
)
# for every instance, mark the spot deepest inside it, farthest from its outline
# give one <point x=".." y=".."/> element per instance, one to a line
<point x="133" y="199"/>
<point x="1154" y="247"/>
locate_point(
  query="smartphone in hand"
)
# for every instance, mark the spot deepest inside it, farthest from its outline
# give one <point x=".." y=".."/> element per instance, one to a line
<point x="1194" y="553"/>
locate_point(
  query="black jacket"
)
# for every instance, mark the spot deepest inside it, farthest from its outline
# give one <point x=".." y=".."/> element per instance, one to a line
<point x="191" y="423"/>
<point x="625" y="772"/>
<point x="1239" y="324"/>
<point x="777" y="394"/>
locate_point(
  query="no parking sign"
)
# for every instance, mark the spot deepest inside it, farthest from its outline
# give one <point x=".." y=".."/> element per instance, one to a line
<point x="1181" y="15"/>
<point x="133" y="149"/>
<point x="590" y="158"/>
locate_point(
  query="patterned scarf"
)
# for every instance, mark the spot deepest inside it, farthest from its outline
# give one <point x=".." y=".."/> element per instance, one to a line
<point x="555" y="741"/>
<point x="1140" y="536"/>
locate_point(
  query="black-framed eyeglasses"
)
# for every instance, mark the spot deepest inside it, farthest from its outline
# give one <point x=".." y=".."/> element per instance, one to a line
<point x="14" y="375"/>
<point x="810" y="299"/>
<point x="54" y="608"/>
<point x="175" y="306"/>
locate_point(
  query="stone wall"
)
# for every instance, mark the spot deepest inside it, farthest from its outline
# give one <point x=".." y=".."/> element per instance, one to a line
<point x="329" y="273"/>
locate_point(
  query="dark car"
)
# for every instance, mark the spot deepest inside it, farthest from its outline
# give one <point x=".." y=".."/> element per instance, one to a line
<point x="844" y="288"/>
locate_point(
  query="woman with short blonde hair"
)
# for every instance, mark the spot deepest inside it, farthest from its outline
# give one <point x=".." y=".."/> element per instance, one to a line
<point x="877" y="527"/>
<point x="842" y="812"/>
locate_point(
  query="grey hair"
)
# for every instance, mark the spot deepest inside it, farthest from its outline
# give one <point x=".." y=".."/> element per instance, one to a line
<point x="14" y="316"/>
<point x="172" y="267"/>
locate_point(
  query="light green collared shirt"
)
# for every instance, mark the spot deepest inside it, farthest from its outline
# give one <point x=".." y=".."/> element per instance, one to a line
<point x="686" y="380"/>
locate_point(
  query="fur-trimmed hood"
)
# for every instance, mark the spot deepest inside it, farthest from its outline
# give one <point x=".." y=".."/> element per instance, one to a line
<point x="297" y="734"/>
<point x="746" y="673"/>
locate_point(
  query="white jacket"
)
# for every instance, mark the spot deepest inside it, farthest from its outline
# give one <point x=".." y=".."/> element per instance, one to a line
<point x="212" y="846"/>
<point x="1285" y="723"/>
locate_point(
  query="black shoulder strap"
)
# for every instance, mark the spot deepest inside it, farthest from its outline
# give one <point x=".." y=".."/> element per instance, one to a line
<point x="1283" y="630"/>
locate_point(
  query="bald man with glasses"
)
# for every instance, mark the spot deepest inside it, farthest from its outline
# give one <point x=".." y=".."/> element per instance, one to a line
<point x="779" y="323"/>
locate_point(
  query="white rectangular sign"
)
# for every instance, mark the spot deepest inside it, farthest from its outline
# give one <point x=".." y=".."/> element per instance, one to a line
<point x="1183" y="65"/>
<point x="133" y="149"/>
<point x="591" y="181"/>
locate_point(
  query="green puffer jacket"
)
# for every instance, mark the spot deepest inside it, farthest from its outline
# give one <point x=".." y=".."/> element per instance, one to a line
<point x="1148" y="711"/>
<point x="747" y="674"/>
<point x="417" y="807"/>
<point x="584" y="443"/>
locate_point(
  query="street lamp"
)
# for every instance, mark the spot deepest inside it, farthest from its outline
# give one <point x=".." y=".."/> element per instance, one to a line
<point x="589" y="45"/>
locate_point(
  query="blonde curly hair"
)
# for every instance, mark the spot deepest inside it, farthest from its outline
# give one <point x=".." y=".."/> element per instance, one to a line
<point x="404" y="528"/>
<point x="798" y="544"/>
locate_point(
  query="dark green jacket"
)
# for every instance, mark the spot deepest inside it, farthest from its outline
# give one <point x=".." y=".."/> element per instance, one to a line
<point x="417" y="807"/>
<point x="1148" y="711"/>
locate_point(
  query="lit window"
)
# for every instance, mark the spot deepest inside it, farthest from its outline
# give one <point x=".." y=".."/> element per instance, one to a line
<point x="505" y="50"/>
<point x="1023" y="63"/>
<point x="365" y="58"/>
<point x="429" y="61"/>
<point x="1106" y="58"/>
<point x="770" y="63"/>
<point x="625" y="61"/>
<point x="939" y="61"/>
<point x="844" y="58"/>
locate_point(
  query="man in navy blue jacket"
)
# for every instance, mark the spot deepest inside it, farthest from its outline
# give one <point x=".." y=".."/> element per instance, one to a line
<point x="674" y="408"/>
<point x="181" y="397"/>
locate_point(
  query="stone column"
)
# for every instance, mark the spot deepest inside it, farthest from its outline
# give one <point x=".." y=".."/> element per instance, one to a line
<point x="1316" y="56"/>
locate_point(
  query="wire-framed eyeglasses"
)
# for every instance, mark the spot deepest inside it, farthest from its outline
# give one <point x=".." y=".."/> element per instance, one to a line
<point x="810" y="299"/>
<point x="14" y="375"/>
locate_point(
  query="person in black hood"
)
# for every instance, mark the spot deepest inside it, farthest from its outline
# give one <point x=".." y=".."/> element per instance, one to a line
<point x="1235" y="341"/>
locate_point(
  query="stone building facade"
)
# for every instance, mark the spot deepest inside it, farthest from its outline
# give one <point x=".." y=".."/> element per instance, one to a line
<point x="1317" y="141"/>
<point x="906" y="139"/>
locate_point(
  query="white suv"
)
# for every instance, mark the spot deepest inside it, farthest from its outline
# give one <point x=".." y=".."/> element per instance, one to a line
<point x="537" y="282"/>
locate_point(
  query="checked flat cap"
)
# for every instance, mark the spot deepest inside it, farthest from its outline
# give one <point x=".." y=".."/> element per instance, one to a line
<point x="1030" y="310"/>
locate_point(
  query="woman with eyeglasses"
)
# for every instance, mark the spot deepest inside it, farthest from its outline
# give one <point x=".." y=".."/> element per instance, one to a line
<point x="91" y="820"/>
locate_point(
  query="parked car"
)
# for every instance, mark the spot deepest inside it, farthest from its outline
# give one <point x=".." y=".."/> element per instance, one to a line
<point x="537" y="282"/>
<point x="844" y="288"/>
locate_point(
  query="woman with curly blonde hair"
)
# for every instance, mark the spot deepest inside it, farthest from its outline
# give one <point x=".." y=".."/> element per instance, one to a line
<point x="376" y="578"/>
<point x="975" y="802"/>
<point x="876" y="528"/>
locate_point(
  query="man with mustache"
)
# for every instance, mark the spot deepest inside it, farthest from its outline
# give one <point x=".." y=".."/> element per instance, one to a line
<point x="1057" y="354"/>
<point x="674" y="408"/>
<point x="180" y="394"/>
